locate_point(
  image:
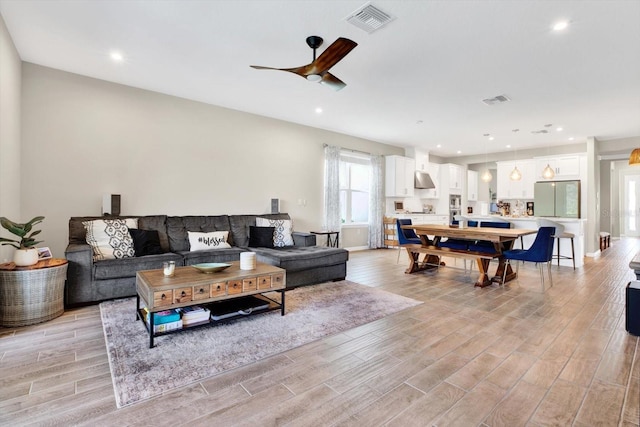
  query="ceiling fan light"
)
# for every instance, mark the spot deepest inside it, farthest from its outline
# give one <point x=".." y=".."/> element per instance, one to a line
<point x="515" y="174"/>
<point x="634" y="158"/>
<point x="314" y="77"/>
<point x="486" y="176"/>
<point x="548" y="173"/>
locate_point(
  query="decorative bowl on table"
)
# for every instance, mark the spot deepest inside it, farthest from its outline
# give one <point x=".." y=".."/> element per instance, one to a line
<point x="211" y="267"/>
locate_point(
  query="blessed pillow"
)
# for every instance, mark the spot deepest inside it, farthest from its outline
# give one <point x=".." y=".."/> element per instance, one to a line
<point x="283" y="229"/>
<point x="261" y="237"/>
<point x="110" y="238"/>
<point x="145" y="242"/>
<point x="212" y="240"/>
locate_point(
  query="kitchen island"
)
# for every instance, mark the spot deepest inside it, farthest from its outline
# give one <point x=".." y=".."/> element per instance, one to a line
<point x="571" y="225"/>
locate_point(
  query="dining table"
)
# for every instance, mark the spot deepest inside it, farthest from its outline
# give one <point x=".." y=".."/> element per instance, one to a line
<point x="432" y="234"/>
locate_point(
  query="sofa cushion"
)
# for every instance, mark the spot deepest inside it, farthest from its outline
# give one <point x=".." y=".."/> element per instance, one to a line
<point x="240" y="226"/>
<point x="145" y="242"/>
<point x="110" y="238"/>
<point x="283" y="229"/>
<point x="177" y="227"/>
<point x="261" y="236"/>
<point x="77" y="232"/>
<point x="127" y="267"/>
<point x="294" y="258"/>
<point x="212" y="240"/>
<point x="211" y="255"/>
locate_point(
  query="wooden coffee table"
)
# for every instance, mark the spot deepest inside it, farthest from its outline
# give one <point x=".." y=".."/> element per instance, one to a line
<point x="189" y="286"/>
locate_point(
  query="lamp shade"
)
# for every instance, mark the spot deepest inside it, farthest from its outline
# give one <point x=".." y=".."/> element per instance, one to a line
<point x="634" y="158"/>
<point x="548" y="173"/>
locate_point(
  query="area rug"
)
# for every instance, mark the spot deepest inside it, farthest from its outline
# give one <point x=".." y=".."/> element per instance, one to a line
<point x="312" y="312"/>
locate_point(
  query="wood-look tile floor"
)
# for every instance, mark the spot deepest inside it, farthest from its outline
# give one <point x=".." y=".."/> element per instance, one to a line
<point x="470" y="357"/>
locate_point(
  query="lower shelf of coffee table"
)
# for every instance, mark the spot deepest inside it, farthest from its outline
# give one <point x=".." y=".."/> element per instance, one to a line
<point x="222" y="312"/>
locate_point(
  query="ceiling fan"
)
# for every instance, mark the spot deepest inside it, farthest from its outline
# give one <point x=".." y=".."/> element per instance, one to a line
<point x="318" y="69"/>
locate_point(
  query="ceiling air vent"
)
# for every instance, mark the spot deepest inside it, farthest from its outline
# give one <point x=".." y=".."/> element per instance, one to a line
<point x="497" y="100"/>
<point x="369" y="18"/>
<point x="540" y="131"/>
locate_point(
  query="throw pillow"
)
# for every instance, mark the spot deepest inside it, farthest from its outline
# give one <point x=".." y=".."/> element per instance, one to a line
<point x="110" y="238"/>
<point x="261" y="237"/>
<point x="145" y="242"/>
<point x="213" y="240"/>
<point x="283" y="229"/>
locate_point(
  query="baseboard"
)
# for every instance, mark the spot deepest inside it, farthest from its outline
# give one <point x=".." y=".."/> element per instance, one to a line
<point x="358" y="248"/>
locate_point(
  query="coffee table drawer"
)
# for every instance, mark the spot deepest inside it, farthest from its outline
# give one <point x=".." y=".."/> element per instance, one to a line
<point x="249" y="284"/>
<point x="264" y="282"/>
<point x="162" y="298"/>
<point x="182" y="295"/>
<point x="234" y="287"/>
<point x="218" y="289"/>
<point x="201" y="292"/>
<point x="277" y="280"/>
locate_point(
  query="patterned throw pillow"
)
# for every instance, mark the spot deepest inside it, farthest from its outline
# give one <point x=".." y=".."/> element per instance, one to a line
<point x="213" y="240"/>
<point x="283" y="229"/>
<point x="110" y="238"/>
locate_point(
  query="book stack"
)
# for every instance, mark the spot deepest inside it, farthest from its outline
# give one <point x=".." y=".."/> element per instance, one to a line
<point x="164" y="321"/>
<point x="194" y="315"/>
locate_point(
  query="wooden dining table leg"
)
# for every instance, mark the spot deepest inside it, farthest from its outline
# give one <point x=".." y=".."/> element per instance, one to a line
<point x="501" y="265"/>
<point x="483" y="278"/>
<point x="429" y="262"/>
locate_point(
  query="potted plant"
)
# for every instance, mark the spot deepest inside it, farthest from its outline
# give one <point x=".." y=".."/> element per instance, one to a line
<point x="26" y="253"/>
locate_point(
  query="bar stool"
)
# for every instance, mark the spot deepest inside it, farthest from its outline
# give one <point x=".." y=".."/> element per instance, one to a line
<point x="560" y="234"/>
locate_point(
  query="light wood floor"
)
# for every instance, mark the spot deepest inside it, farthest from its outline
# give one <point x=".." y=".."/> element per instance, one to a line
<point x="467" y="356"/>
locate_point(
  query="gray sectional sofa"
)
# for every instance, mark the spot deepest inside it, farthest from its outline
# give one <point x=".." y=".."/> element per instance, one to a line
<point x="90" y="282"/>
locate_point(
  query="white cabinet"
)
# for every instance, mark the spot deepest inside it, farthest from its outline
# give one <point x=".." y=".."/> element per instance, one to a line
<point x="399" y="176"/>
<point x="522" y="189"/>
<point x="564" y="167"/>
<point x="472" y="186"/>
<point x="456" y="176"/>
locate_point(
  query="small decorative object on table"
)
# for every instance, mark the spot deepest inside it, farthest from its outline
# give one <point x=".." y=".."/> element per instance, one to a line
<point x="211" y="267"/>
<point x="169" y="268"/>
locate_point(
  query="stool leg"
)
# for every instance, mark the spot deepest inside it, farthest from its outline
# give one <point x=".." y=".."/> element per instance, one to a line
<point x="573" y="254"/>
<point x="558" y="240"/>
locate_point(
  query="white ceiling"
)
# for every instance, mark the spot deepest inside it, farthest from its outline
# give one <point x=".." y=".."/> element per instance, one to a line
<point x="434" y="63"/>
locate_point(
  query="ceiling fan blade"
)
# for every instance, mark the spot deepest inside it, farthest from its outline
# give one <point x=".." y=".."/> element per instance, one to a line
<point x="332" y="55"/>
<point x="332" y="81"/>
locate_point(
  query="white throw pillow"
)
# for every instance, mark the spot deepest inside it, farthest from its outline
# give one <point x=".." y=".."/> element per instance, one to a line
<point x="283" y="229"/>
<point x="212" y="240"/>
<point x="110" y="238"/>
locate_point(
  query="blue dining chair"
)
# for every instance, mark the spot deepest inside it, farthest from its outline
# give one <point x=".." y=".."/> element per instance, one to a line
<point x="406" y="236"/>
<point x="541" y="251"/>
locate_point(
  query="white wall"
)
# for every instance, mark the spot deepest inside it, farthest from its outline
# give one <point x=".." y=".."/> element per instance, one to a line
<point x="82" y="138"/>
<point x="10" y="84"/>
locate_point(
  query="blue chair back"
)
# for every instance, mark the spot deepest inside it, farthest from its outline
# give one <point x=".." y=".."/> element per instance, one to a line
<point x="406" y="236"/>
<point x="495" y="224"/>
<point x="542" y="248"/>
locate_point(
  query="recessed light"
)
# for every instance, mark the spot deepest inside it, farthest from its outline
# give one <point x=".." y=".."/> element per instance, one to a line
<point x="560" y="25"/>
<point x="559" y="129"/>
<point x="439" y="146"/>
<point x="571" y="139"/>
<point x="491" y="138"/>
<point x="508" y="146"/>
<point x="458" y="151"/>
<point x="319" y="110"/>
<point x="117" y="56"/>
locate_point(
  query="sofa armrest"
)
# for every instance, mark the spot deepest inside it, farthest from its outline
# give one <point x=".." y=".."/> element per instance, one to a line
<point x="303" y="239"/>
<point x="79" y="287"/>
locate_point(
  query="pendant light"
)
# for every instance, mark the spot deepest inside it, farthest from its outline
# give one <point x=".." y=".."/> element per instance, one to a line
<point x="515" y="174"/>
<point x="548" y="173"/>
<point x="486" y="176"/>
<point x="634" y="158"/>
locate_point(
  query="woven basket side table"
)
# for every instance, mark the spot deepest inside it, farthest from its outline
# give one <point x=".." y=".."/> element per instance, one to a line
<point x="34" y="294"/>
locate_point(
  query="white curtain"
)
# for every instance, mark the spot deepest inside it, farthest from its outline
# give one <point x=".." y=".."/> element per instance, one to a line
<point x="376" y="201"/>
<point x="332" y="188"/>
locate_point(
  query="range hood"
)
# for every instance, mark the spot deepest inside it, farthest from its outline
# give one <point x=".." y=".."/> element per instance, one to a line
<point x="423" y="181"/>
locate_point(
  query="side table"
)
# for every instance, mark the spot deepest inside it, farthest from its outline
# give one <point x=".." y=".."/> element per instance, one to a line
<point x="33" y="294"/>
<point x="332" y="242"/>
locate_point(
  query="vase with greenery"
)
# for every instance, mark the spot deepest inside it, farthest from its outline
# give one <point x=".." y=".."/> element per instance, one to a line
<point x="26" y="253"/>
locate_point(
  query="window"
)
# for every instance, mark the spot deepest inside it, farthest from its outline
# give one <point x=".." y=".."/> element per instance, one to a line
<point x="355" y="176"/>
